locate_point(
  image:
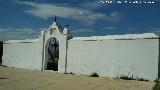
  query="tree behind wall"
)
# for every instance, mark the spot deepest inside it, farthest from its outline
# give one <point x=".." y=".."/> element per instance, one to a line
<point x="1" y="51"/>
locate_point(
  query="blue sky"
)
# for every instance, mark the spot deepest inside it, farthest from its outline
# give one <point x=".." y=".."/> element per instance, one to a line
<point x="22" y="19"/>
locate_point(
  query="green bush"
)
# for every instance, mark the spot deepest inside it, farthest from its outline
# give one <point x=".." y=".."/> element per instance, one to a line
<point x="94" y="75"/>
<point x="127" y="77"/>
<point x="142" y="79"/>
<point x="69" y="73"/>
<point x="130" y="77"/>
<point x="157" y="85"/>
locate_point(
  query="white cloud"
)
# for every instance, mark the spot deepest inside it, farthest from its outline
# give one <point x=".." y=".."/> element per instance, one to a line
<point x="109" y="28"/>
<point x="132" y="28"/>
<point x="91" y="4"/>
<point x="155" y="30"/>
<point x="3" y="29"/>
<point x="116" y="16"/>
<point x="83" y="30"/>
<point x="45" y="11"/>
<point x="94" y="4"/>
<point x="19" y="33"/>
<point x="93" y="29"/>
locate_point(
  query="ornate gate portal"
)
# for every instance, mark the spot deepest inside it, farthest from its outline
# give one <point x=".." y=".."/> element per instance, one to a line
<point x="54" y="41"/>
<point x="53" y="54"/>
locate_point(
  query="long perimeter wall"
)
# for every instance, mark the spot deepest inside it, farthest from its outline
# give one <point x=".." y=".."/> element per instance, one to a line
<point x="114" y="57"/>
<point x="23" y="55"/>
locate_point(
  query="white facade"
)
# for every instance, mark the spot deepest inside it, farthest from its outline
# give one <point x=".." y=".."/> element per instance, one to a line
<point x="112" y="55"/>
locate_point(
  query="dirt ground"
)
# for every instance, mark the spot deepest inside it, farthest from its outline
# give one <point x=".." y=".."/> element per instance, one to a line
<point x="20" y="79"/>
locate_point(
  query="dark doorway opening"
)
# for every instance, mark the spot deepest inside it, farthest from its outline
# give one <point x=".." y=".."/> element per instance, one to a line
<point x="53" y="54"/>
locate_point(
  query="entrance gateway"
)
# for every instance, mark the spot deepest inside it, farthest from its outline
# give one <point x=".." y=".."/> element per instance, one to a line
<point x="54" y="47"/>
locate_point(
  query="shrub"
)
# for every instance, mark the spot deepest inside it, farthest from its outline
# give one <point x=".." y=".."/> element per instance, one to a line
<point x="142" y="79"/>
<point x="94" y="75"/>
<point x="3" y="78"/>
<point x="4" y="66"/>
<point x="157" y="85"/>
<point x="124" y="77"/>
<point x="130" y="77"/>
<point x="69" y="73"/>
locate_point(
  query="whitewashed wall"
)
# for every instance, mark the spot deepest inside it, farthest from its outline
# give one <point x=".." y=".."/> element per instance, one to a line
<point x="23" y="55"/>
<point x="114" y="57"/>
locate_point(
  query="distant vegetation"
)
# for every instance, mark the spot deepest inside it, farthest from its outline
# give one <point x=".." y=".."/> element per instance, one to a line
<point x="1" y="51"/>
<point x="157" y="85"/>
<point x="69" y="73"/>
<point x="130" y="77"/>
<point x="94" y="74"/>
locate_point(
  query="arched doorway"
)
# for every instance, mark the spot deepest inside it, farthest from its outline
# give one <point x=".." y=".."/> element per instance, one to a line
<point x="55" y="33"/>
<point x="52" y="51"/>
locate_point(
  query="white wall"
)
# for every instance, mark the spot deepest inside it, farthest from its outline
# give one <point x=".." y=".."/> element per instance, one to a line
<point x="111" y="57"/>
<point x="23" y="55"/>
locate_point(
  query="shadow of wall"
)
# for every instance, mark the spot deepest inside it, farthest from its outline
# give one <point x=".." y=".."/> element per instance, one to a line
<point x="1" y="52"/>
<point x="159" y="60"/>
